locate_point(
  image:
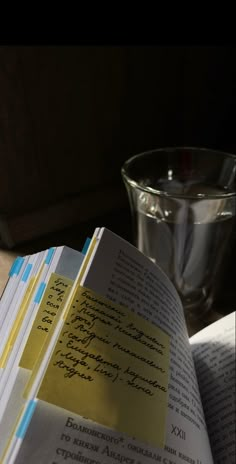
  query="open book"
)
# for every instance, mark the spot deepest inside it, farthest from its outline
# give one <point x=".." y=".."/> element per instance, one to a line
<point x="96" y="365"/>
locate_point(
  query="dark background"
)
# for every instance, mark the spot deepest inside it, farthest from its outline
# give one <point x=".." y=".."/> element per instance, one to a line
<point x="71" y="115"/>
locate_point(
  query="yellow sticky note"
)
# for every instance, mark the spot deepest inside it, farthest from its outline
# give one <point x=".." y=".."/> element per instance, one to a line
<point x="111" y="366"/>
<point x="18" y="321"/>
<point x="51" y="305"/>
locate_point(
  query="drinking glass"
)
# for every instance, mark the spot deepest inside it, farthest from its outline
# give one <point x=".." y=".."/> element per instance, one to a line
<point x="183" y="205"/>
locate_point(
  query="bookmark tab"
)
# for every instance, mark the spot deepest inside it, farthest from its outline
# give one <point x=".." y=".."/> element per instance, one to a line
<point x="27" y="272"/>
<point x="16" y="266"/>
<point x="20" y="433"/>
<point x="49" y="255"/>
<point x="39" y="293"/>
<point x="86" y="245"/>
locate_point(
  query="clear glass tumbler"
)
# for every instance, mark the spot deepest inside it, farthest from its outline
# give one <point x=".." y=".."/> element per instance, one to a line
<point x="183" y="205"/>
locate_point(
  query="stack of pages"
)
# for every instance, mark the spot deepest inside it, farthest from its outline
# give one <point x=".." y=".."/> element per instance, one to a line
<point x="96" y="365"/>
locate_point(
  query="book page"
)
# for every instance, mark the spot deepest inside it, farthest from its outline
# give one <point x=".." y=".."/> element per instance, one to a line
<point x="124" y="276"/>
<point x="214" y="355"/>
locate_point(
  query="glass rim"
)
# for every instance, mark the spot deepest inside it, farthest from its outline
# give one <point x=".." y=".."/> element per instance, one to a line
<point x="155" y="191"/>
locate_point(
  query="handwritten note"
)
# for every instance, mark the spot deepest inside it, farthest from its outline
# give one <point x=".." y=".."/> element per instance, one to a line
<point x="51" y="305"/>
<point x="111" y="366"/>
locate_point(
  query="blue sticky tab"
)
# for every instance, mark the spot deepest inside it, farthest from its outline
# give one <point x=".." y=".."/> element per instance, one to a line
<point x="21" y="431"/>
<point x="49" y="255"/>
<point x="11" y="272"/>
<point x="39" y="293"/>
<point x="19" y="265"/>
<point x="16" y="266"/>
<point x="27" y="272"/>
<point x="86" y="245"/>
